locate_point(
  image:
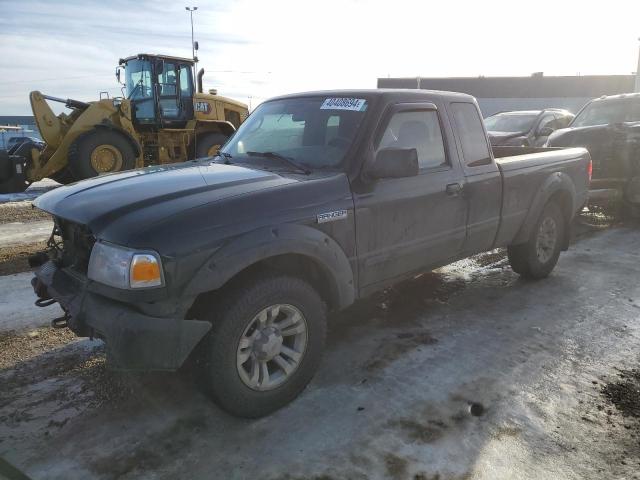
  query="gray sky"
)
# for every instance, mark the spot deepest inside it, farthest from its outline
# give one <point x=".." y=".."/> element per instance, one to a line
<point x="264" y="48"/>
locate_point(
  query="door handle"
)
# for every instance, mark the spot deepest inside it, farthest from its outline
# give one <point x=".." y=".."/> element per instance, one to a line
<point x="453" y="189"/>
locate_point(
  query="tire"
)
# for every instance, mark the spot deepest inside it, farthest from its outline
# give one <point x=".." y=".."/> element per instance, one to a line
<point x="209" y="143"/>
<point x="233" y="319"/>
<point x="100" y="151"/>
<point x="63" y="176"/>
<point x="527" y="259"/>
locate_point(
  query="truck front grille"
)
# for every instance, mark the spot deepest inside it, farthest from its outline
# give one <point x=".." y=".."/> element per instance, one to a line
<point x="73" y="243"/>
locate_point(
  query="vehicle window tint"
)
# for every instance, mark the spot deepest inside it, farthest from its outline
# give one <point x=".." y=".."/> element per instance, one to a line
<point x="232" y="116"/>
<point x="419" y="130"/>
<point x="562" y="120"/>
<point x="547" y="121"/>
<point x="474" y="142"/>
<point x="185" y="81"/>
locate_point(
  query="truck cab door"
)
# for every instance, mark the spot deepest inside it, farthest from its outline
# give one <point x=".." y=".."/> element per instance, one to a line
<point x="406" y="225"/>
<point x="483" y="180"/>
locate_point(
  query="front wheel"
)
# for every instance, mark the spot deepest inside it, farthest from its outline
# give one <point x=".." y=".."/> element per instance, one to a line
<point x="537" y="258"/>
<point x="100" y="151"/>
<point x="265" y="345"/>
<point x="207" y="145"/>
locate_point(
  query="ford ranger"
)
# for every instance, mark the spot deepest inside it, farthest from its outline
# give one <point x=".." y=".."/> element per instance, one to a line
<point x="318" y="199"/>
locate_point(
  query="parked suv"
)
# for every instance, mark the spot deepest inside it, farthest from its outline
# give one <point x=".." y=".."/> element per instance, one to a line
<point x="525" y="128"/>
<point x="609" y="127"/>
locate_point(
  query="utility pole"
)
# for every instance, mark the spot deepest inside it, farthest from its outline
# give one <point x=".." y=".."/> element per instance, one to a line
<point x="193" y="44"/>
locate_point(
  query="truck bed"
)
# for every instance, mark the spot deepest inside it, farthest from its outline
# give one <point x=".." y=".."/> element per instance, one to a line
<point x="527" y="171"/>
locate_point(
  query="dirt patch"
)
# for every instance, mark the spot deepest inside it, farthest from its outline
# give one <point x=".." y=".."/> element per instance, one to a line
<point x="490" y="258"/>
<point x="421" y="432"/>
<point x="20" y="212"/>
<point x="19" y="348"/>
<point x="14" y="258"/>
<point x="396" y="466"/>
<point x="625" y="393"/>
<point x="392" y="349"/>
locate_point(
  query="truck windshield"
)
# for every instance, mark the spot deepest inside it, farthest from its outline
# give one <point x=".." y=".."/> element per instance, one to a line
<point x="510" y="122"/>
<point x="315" y="132"/>
<point x="604" y="112"/>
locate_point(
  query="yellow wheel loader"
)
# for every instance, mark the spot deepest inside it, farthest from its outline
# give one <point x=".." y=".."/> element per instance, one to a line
<point x="161" y="119"/>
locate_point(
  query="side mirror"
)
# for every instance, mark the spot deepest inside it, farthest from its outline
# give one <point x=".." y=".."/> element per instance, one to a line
<point x="545" y="131"/>
<point x="118" y="75"/>
<point x="395" y="163"/>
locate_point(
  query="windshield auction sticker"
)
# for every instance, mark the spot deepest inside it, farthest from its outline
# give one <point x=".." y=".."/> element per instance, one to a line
<point x="355" y="104"/>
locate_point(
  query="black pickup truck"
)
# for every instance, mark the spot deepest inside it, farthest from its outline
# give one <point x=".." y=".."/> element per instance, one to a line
<point x="319" y="199"/>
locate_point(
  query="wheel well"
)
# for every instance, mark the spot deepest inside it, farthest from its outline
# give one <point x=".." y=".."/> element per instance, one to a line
<point x="563" y="199"/>
<point x="212" y="127"/>
<point x="296" y="265"/>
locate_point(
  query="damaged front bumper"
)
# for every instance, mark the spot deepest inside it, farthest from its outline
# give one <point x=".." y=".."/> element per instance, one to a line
<point x="135" y="341"/>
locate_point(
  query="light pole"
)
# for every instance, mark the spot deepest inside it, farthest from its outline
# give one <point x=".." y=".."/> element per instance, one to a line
<point x="637" y="89"/>
<point x="193" y="45"/>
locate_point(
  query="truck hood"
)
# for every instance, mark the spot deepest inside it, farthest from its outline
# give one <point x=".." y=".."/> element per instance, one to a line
<point x="152" y="193"/>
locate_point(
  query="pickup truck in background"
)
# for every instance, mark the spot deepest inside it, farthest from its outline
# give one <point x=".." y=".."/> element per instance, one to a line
<point x="319" y="199"/>
<point x="609" y="127"/>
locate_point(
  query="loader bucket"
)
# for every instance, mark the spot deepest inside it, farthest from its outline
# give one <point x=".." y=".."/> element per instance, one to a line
<point x="13" y="169"/>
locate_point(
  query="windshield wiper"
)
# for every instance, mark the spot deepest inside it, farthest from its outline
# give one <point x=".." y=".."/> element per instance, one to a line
<point x="226" y="156"/>
<point x="298" y="166"/>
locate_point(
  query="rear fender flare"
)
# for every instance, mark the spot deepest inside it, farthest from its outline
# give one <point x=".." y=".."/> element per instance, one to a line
<point x="253" y="247"/>
<point x="556" y="182"/>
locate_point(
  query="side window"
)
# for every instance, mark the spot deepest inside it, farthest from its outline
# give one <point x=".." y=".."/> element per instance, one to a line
<point x="185" y="81"/>
<point x="547" y="121"/>
<point x="419" y="130"/>
<point x="562" y="120"/>
<point x="232" y="116"/>
<point x="474" y="142"/>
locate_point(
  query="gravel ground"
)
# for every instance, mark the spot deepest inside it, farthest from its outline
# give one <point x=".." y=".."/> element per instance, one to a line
<point x="20" y="212"/>
<point x="13" y="258"/>
<point x="467" y="372"/>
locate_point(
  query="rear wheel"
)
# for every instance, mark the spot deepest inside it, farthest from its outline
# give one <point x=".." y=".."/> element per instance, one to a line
<point x="100" y="152"/>
<point x="538" y="257"/>
<point x="265" y="345"/>
<point x="208" y="144"/>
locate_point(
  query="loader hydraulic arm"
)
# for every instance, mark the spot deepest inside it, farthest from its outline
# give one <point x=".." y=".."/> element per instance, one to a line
<point x="48" y="123"/>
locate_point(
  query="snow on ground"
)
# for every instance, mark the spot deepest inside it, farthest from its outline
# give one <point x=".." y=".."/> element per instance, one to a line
<point x="17" y="309"/>
<point x="35" y="189"/>
<point x="469" y="372"/>
<point x="17" y="233"/>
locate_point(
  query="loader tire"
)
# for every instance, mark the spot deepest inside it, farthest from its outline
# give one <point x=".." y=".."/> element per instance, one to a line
<point x="100" y="151"/>
<point x="207" y="145"/>
<point x="64" y="176"/>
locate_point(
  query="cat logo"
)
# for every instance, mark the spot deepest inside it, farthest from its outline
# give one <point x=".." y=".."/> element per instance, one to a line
<point x="204" y="107"/>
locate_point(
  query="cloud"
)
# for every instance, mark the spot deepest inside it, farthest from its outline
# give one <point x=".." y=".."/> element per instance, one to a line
<point x="257" y="49"/>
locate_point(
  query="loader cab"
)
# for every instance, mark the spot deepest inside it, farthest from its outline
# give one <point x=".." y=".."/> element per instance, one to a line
<point x="160" y="89"/>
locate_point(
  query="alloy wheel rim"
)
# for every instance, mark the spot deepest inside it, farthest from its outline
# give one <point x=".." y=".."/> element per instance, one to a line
<point x="106" y="158"/>
<point x="271" y="347"/>
<point x="546" y="239"/>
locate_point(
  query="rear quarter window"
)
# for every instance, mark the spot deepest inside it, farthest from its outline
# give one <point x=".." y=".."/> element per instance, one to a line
<point x="472" y="138"/>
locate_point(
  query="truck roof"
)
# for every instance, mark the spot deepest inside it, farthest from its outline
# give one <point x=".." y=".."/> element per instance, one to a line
<point x="387" y="93"/>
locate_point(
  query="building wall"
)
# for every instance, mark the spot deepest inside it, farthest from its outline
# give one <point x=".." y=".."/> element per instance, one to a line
<point x="497" y="94"/>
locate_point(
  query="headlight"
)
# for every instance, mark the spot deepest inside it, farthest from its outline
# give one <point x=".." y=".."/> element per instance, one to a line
<point x="122" y="267"/>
